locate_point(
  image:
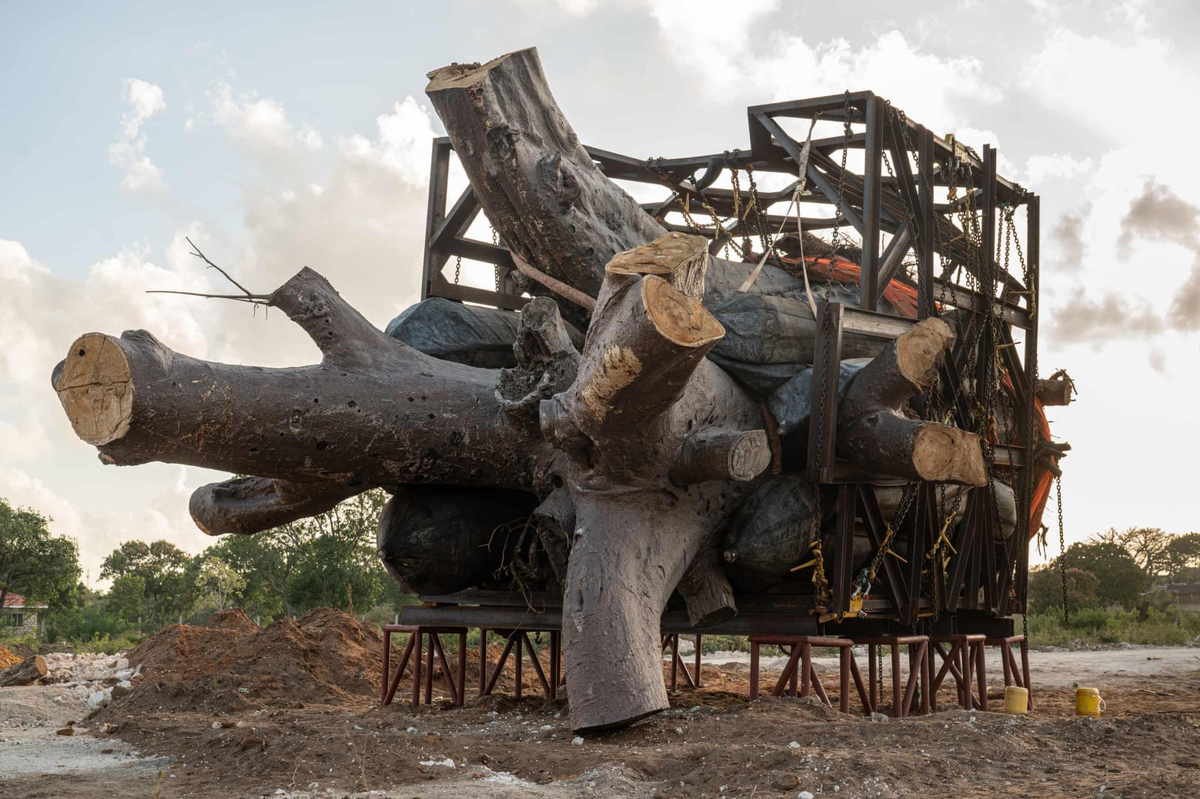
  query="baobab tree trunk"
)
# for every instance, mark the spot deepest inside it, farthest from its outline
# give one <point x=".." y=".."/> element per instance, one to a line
<point x="645" y="405"/>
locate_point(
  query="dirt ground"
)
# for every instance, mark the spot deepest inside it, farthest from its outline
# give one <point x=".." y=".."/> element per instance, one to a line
<point x="712" y="743"/>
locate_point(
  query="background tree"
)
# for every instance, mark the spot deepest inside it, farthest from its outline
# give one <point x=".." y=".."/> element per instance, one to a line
<point x="336" y="564"/>
<point x="127" y="597"/>
<point x="326" y="560"/>
<point x="162" y="567"/>
<point x="265" y="564"/>
<point x="1120" y="579"/>
<point x="1045" y="589"/>
<point x="218" y="582"/>
<point x="1149" y="546"/>
<point x="1183" y="558"/>
<point x="34" y="562"/>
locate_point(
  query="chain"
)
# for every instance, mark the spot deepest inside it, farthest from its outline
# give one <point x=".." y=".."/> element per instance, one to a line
<point x="835" y="237"/>
<point x="735" y="181"/>
<point x="697" y="228"/>
<point x="1062" y="549"/>
<point x="741" y="212"/>
<point x="498" y="270"/>
<point x="457" y="269"/>
<point x="764" y="234"/>
<point x="879" y="671"/>
<point x="862" y="583"/>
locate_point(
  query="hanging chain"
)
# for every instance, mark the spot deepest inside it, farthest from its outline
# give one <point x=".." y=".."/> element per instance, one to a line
<point x="1062" y="550"/>
<point x="862" y="583"/>
<point x="847" y="132"/>
<point x="764" y="233"/>
<point x="718" y="229"/>
<point x="741" y="212"/>
<point x="457" y="269"/>
<point x="498" y="269"/>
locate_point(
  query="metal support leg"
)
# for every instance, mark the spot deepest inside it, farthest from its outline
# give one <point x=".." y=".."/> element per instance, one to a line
<point x="844" y="655"/>
<point x="754" y="670"/>
<point x="416" y="691"/>
<point x="897" y="685"/>
<point x="429" y="670"/>
<point x="517" y="690"/>
<point x="873" y="675"/>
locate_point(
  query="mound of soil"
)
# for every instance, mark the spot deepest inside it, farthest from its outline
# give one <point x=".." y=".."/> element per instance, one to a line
<point x="7" y="658"/>
<point x="231" y="664"/>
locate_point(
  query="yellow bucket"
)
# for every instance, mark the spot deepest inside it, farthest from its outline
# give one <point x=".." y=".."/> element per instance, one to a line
<point x="1016" y="700"/>
<point x="1088" y="702"/>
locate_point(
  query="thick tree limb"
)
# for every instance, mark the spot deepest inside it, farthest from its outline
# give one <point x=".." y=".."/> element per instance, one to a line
<point x="373" y="413"/>
<point x="873" y="432"/>
<point x="707" y="591"/>
<point x="722" y="455"/>
<point x="541" y="190"/>
<point x="26" y="672"/>
<point x="1056" y="389"/>
<point x="247" y="505"/>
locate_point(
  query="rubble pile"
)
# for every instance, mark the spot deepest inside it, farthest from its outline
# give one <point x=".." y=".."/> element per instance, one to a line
<point x="93" y="679"/>
<point x="231" y="664"/>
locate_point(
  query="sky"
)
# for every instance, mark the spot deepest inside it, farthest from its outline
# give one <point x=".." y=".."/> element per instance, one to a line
<point x="278" y="137"/>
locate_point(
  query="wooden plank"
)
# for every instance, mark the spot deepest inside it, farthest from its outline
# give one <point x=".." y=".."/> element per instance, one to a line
<point x="874" y="323"/>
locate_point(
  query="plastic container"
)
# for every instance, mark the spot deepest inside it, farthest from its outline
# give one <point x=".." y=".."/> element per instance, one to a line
<point x="1016" y="700"/>
<point x="1088" y="702"/>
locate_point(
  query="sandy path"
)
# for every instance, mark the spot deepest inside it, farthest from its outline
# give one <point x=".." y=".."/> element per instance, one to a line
<point x="1048" y="669"/>
<point x="30" y="746"/>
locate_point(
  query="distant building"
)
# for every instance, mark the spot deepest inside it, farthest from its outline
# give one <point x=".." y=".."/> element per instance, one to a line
<point x="1186" y="595"/>
<point x="17" y="617"/>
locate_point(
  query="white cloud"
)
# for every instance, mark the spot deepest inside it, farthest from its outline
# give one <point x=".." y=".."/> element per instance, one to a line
<point x="1041" y="169"/>
<point x="1082" y="76"/>
<point x="890" y="66"/>
<point x="711" y="37"/>
<point x="260" y="122"/>
<point x="577" y="8"/>
<point x="24" y="439"/>
<point x="402" y="143"/>
<point x="784" y="66"/>
<point x="128" y="153"/>
<point x="159" y="515"/>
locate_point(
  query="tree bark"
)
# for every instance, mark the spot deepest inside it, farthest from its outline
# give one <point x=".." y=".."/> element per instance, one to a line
<point x="643" y="389"/>
<point x="246" y="505"/>
<point x="374" y="412"/>
<point x="706" y="590"/>
<point x="875" y="434"/>
<point x="26" y="672"/>
<point x="1055" y="390"/>
<point x="538" y="186"/>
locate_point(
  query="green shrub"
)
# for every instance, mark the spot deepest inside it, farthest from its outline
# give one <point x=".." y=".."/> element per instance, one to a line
<point x="1091" y="619"/>
<point x="108" y="645"/>
<point x="1172" y="626"/>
